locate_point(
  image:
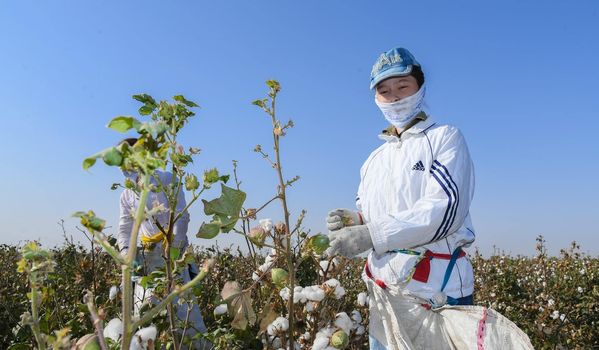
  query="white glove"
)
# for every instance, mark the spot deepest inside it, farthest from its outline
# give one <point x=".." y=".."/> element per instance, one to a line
<point x="349" y="241"/>
<point x="339" y="218"/>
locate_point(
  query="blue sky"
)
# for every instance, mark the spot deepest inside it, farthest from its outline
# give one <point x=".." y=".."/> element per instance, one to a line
<point x="519" y="78"/>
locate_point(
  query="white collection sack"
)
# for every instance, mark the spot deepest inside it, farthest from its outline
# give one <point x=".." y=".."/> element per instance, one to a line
<point x="400" y="322"/>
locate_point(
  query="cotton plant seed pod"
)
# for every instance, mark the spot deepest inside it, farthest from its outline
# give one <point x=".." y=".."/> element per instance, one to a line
<point x="257" y="236"/>
<point x="279" y="277"/>
<point x="319" y="243"/>
<point x="88" y="342"/>
<point x="339" y="340"/>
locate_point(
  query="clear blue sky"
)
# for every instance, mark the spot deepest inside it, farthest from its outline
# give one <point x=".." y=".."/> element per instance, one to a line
<point x="520" y="78"/>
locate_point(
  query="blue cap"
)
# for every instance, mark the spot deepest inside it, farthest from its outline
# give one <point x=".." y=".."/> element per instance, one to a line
<point x="393" y="63"/>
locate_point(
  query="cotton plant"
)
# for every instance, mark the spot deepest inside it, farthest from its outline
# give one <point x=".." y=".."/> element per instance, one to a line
<point x="157" y="149"/>
<point x="293" y="279"/>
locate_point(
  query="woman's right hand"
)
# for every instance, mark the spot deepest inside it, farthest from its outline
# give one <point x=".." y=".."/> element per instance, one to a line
<point x="340" y="218"/>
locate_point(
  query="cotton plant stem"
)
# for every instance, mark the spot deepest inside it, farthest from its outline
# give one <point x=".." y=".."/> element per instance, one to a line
<point x="283" y="197"/>
<point x="35" y="326"/>
<point x="96" y="320"/>
<point x="189" y="309"/>
<point x="167" y="252"/>
<point x="169" y="307"/>
<point x="128" y="327"/>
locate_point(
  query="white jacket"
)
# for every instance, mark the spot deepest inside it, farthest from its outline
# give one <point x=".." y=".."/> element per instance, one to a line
<point x="415" y="193"/>
<point x="129" y="203"/>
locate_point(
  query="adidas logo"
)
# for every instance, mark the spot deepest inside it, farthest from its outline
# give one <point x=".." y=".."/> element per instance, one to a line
<point x="418" y="166"/>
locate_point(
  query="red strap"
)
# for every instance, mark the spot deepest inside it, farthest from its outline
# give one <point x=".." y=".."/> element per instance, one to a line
<point x="369" y="274"/>
<point x="361" y="218"/>
<point x="423" y="268"/>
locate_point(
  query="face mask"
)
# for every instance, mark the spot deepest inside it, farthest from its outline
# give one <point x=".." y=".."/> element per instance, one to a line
<point x="400" y="113"/>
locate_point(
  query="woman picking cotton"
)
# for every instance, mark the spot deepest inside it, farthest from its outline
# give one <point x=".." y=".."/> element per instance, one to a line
<point x="413" y="215"/>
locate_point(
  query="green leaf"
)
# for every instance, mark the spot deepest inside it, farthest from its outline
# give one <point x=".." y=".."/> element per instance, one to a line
<point x="112" y="157"/>
<point x="145" y="99"/>
<point x="166" y="110"/>
<point x="180" y="98"/>
<point x="90" y="220"/>
<point x="225" y="209"/>
<point x="145" y="110"/>
<point x="89" y="162"/>
<point x="153" y="128"/>
<point x="208" y="231"/>
<point x="175" y="253"/>
<point x="229" y="203"/>
<point x="123" y="123"/>
<point x="145" y="281"/>
<point x="274" y="85"/>
<point x="260" y="103"/>
<point x="181" y="159"/>
<point x="155" y="163"/>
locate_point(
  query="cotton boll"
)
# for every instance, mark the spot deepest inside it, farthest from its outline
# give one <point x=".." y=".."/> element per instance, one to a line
<point x="314" y="293"/>
<point x="255" y="277"/>
<point x="362" y="299"/>
<point x="339" y="292"/>
<point x="310" y="306"/>
<point x="266" y="224"/>
<point x="143" y="338"/>
<point x="320" y="343"/>
<point x="325" y="332"/>
<point x="265" y="267"/>
<point x="356" y="316"/>
<point x="333" y="283"/>
<point x="325" y="266"/>
<point x="113" y="329"/>
<point x="342" y="321"/>
<point x="276" y="343"/>
<point x="148" y="333"/>
<point x="114" y="290"/>
<point x="298" y="295"/>
<point x="280" y="324"/>
<point x="270" y="259"/>
<point x="285" y="293"/>
<point x="221" y="309"/>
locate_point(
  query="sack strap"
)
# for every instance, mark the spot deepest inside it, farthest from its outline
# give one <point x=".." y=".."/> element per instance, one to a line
<point x="454" y="257"/>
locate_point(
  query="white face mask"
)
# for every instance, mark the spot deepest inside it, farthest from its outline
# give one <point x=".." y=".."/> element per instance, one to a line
<point x="400" y="113"/>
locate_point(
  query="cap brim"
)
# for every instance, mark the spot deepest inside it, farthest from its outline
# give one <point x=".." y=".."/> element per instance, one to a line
<point x="389" y="73"/>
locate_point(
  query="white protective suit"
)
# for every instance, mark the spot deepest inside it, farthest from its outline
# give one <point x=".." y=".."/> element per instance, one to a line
<point x="415" y="194"/>
<point x="152" y="259"/>
<point x="129" y="203"/>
